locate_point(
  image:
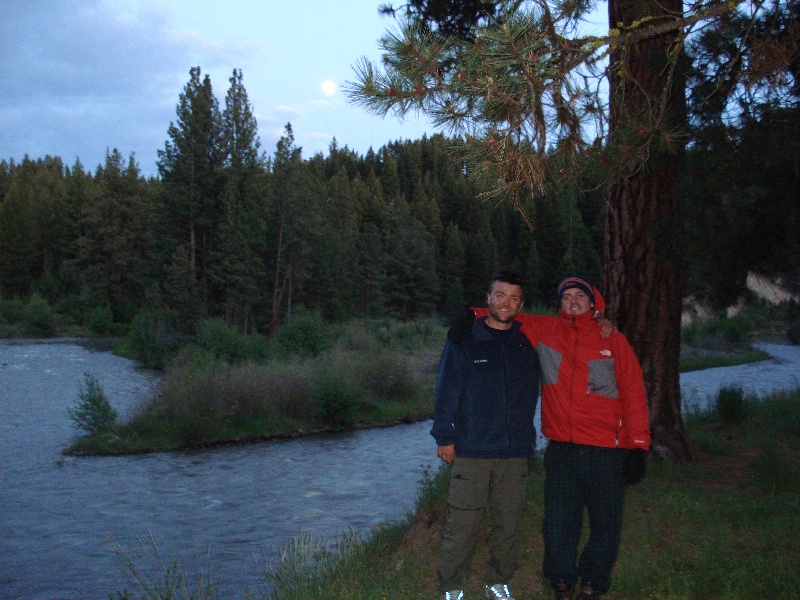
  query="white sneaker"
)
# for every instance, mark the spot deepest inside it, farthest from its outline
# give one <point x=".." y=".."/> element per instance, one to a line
<point x="454" y="595"/>
<point x="498" y="591"/>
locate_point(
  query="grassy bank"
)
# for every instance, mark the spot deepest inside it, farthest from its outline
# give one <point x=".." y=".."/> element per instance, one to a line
<point x="227" y="387"/>
<point x="723" y="527"/>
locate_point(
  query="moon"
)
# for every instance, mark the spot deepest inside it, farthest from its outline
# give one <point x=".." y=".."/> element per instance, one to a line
<point x="328" y="87"/>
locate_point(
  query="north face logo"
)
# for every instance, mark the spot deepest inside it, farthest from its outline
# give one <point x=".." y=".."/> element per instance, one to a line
<point x="605" y="352"/>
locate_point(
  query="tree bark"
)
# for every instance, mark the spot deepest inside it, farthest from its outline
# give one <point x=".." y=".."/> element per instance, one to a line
<point x="643" y="252"/>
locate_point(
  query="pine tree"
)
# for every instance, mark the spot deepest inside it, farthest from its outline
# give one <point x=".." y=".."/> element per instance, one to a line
<point x="237" y="267"/>
<point x="115" y="245"/>
<point x="372" y="260"/>
<point x="517" y="88"/>
<point x="190" y="166"/>
<point x="451" y="272"/>
<point x="413" y="283"/>
<point x="18" y="240"/>
<point x="287" y="210"/>
<point x="181" y="291"/>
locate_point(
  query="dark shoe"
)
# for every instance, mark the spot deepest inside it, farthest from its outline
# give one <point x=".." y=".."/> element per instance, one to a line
<point x="562" y="591"/>
<point x="588" y="593"/>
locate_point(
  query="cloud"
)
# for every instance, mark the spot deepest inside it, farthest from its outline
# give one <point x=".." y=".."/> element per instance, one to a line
<point x="79" y="77"/>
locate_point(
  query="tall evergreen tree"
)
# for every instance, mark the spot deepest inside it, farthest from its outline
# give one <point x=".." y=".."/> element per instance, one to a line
<point x="237" y="267"/>
<point x="451" y="272"/>
<point x="287" y="209"/>
<point x="116" y="243"/>
<point x="190" y="166"/>
<point x="18" y="239"/>
<point x="181" y="291"/>
<point x="413" y="283"/>
<point x="372" y="270"/>
<point x="523" y="82"/>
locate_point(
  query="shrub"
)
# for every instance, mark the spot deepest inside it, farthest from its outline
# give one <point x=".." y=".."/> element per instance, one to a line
<point x="730" y="405"/>
<point x="734" y="331"/>
<point x="793" y="333"/>
<point x="144" y="340"/>
<point x="93" y="413"/>
<point x="40" y="318"/>
<point x="194" y="402"/>
<point x="304" y="335"/>
<point x="387" y="375"/>
<point x="231" y="345"/>
<point x="101" y="320"/>
<point x="337" y="398"/>
<point x="277" y="390"/>
<point x="12" y="311"/>
<point x="409" y="336"/>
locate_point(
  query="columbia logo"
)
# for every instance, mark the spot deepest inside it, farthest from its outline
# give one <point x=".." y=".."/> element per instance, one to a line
<point x="605" y="352"/>
<point x="481" y="360"/>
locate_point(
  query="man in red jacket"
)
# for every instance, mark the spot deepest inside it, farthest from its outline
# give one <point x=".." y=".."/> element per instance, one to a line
<point x="594" y="412"/>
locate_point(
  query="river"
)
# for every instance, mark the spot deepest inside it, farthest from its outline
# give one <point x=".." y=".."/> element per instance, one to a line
<point x="228" y="510"/>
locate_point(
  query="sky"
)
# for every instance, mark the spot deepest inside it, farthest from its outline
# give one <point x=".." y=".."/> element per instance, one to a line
<point x="83" y="77"/>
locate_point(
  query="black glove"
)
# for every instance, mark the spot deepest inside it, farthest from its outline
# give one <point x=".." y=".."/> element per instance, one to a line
<point x="635" y="465"/>
<point x="461" y="326"/>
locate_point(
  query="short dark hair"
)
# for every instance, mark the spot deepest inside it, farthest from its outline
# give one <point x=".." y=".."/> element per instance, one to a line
<point x="509" y="277"/>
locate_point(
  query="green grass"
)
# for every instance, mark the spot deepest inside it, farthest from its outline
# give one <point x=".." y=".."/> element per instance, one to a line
<point x="376" y="374"/>
<point x="722" y="527"/>
<point x="721" y="359"/>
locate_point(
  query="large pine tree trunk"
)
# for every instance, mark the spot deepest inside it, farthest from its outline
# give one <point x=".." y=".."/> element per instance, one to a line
<point x="643" y="255"/>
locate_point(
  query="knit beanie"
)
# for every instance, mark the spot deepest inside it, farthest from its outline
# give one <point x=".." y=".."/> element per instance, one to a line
<point x="573" y="281"/>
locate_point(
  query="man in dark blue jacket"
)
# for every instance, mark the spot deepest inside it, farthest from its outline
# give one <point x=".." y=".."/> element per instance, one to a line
<point x="486" y="395"/>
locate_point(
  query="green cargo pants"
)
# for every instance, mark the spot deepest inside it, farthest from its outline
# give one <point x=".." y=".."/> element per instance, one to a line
<point x="474" y="483"/>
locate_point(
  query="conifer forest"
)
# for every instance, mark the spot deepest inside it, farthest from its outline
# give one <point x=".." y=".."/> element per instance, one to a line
<point x="231" y="230"/>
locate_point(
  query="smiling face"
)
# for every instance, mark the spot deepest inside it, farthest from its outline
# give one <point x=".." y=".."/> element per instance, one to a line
<point x="504" y="301"/>
<point x="574" y="301"/>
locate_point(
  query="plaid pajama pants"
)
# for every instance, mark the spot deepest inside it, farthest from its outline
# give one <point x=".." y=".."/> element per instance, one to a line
<point x="577" y="477"/>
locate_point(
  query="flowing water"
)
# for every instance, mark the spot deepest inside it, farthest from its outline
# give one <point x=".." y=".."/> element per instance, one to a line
<point x="228" y="510"/>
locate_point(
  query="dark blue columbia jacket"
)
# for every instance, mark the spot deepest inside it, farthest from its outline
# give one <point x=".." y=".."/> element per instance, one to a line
<point x="486" y="395"/>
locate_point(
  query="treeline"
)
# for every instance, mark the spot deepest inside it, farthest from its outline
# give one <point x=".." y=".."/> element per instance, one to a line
<point x="229" y="231"/>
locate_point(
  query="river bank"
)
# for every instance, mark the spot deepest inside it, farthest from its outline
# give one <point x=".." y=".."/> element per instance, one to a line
<point x="721" y="527"/>
<point x="233" y="507"/>
<point x="366" y="381"/>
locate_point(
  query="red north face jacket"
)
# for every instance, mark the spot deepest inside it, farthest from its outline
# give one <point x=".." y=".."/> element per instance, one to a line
<point x="592" y="388"/>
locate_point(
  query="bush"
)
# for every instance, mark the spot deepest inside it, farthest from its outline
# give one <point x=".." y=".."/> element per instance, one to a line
<point x="338" y="399"/>
<point x="145" y="340"/>
<point x="304" y="335"/>
<point x="93" y="413"/>
<point x="231" y="345"/>
<point x="101" y="320"/>
<point x="793" y="333"/>
<point x="409" y="336"/>
<point x="40" y="318"/>
<point x="194" y="401"/>
<point x="735" y="331"/>
<point x="12" y="311"/>
<point x="387" y="375"/>
<point x="730" y="405"/>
